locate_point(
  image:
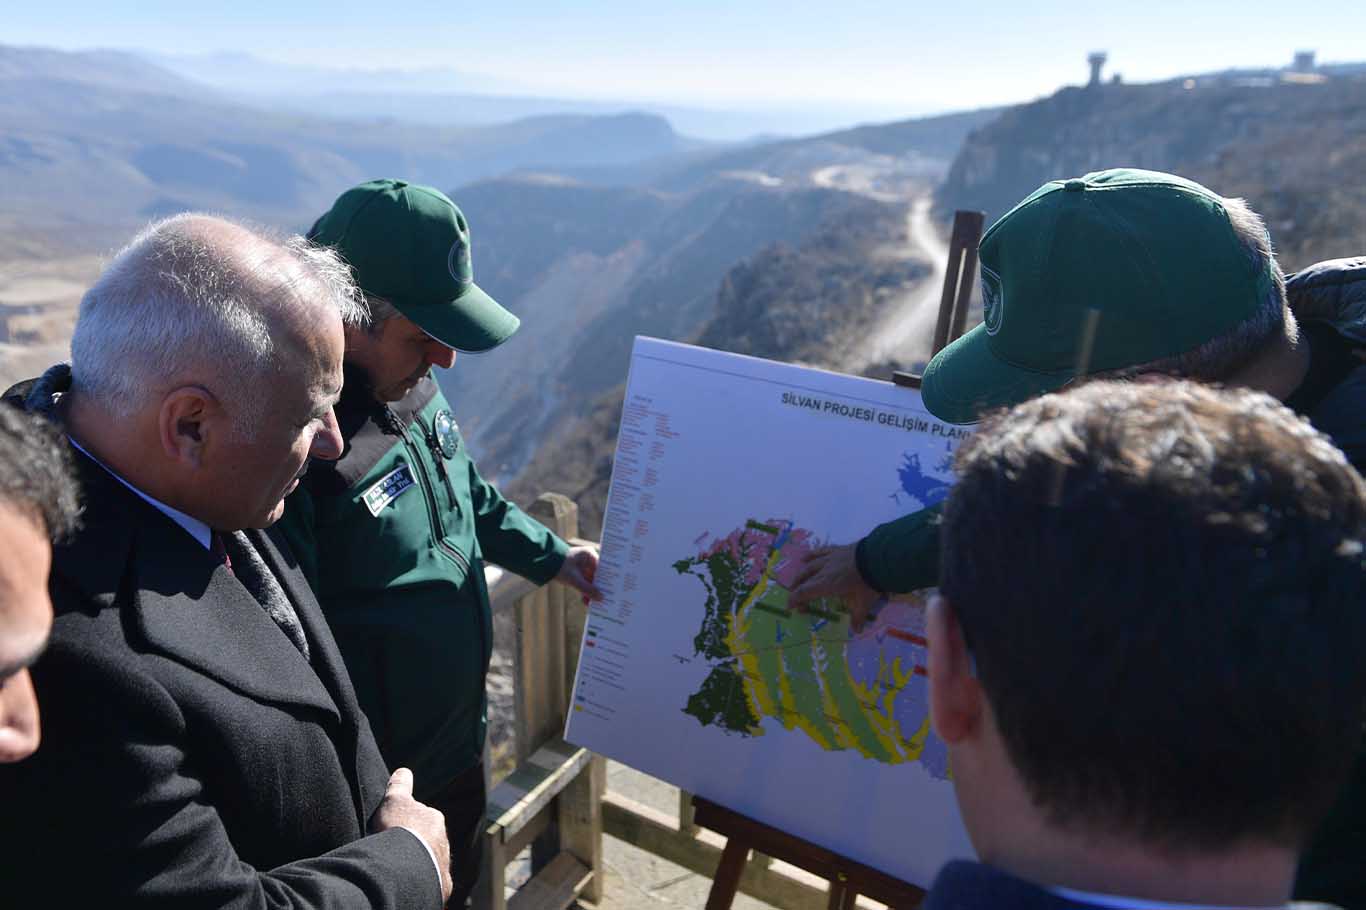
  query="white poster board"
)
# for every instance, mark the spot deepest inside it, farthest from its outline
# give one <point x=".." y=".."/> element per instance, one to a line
<point x="693" y="669"/>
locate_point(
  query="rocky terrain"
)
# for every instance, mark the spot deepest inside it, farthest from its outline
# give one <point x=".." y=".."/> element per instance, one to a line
<point x="817" y="301"/>
<point x="814" y="231"/>
<point x="1295" y="150"/>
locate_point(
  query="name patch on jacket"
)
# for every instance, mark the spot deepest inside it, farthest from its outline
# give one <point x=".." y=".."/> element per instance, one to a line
<point x="388" y="488"/>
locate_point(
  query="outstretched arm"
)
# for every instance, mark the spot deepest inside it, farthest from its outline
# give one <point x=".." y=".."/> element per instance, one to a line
<point x="897" y="557"/>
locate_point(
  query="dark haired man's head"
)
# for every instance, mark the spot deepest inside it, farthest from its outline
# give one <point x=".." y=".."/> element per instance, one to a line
<point x="37" y="503"/>
<point x="1161" y="587"/>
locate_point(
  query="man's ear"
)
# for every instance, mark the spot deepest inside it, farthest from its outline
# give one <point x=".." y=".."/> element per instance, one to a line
<point x="188" y="419"/>
<point x="956" y="697"/>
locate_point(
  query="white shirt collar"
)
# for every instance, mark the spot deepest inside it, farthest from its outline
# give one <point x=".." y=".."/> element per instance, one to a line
<point x="1134" y="903"/>
<point x="196" y="528"/>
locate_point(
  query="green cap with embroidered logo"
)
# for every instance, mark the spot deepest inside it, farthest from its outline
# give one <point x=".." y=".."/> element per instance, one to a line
<point x="1114" y="269"/>
<point x="410" y="245"/>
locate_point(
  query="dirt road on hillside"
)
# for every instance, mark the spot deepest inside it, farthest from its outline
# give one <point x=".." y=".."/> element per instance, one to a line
<point x="906" y="333"/>
<point x="908" y="330"/>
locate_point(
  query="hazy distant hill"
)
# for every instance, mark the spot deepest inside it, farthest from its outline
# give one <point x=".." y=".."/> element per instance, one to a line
<point x="100" y="141"/>
<point x="791" y="249"/>
<point x="238" y="71"/>
<point x="445" y="96"/>
<point x="35" y="67"/>
<point x="929" y="143"/>
<point x="1296" y="152"/>
<point x="763" y="245"/>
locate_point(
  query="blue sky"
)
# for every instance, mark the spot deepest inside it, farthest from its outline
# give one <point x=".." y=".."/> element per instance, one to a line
<point x="909" y="56"/>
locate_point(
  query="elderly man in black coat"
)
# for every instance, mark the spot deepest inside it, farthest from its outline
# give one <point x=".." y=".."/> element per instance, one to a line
<point x="203" y="746"/>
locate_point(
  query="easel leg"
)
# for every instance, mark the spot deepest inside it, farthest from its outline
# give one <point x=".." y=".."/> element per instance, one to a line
<point x="842" y="895"/>
<point x="727" y="880"/>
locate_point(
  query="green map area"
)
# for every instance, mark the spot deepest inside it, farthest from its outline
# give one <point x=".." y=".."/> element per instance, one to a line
<point x="769" y="661"/>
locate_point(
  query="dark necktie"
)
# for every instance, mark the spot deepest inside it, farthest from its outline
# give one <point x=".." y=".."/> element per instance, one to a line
<point x="242" y="560"/>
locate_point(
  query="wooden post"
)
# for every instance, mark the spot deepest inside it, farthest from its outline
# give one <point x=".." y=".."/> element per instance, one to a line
<point x="580" y="803"/>
<point x="491" y="892"/>
<point x="958" y="277"/>
<point x="552" y="801"/>
<point x="541" y="690"/>
<point x="488" y="891"/>
<point x="956" y="297"/>
<point x="687" y="822"/>
<point x="971" y="240"/>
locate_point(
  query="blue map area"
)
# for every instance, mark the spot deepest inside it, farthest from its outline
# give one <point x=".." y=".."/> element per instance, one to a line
<point x="925" y="489"/>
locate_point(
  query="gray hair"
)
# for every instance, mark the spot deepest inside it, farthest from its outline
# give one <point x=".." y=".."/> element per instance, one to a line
<point x="1225" y="354"/>
<point x="192" y="289"/>
<point x="377" y="312"/>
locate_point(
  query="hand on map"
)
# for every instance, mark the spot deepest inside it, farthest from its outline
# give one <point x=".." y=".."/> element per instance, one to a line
<point x="833" y="572"/>
<point x="580" y="565"/>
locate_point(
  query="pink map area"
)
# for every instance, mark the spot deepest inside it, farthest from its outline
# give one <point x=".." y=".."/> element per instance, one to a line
<point x="796" y="544"/>
<point x="875" y="677"/>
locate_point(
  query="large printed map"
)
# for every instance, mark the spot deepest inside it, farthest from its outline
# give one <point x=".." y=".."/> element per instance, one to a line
<point x="806" y="670"/>
<point x="698" y="670"/>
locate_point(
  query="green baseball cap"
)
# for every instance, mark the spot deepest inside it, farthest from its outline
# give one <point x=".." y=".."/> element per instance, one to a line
<point x="1145" y="264"/>
<point x="410" y="245"/>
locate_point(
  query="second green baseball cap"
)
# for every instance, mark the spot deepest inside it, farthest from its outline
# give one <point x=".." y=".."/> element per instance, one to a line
<point x="1114" y="269"/>
<point x="410" y="245"/>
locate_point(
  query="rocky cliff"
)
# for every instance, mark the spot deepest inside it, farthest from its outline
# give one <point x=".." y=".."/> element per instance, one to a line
<point x="811" y="301"/>
<point x="1295" y="151"/>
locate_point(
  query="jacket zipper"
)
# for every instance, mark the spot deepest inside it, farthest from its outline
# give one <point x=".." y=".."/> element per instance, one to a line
<point x="394" y="426"/>
<point x="439" y="459"/>
<point x="415" y="457"/>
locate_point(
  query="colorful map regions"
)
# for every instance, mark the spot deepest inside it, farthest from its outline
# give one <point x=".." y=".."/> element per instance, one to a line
<point x="695" y="667"/>
<point x="808" y="671"/>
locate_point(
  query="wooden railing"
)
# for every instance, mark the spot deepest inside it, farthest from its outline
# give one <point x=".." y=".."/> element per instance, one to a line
<point x="552" y="800"/>
<point x="555" y="800"/>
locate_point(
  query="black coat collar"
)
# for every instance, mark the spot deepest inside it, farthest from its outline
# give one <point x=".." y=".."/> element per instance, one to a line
<point x="187" y="606"/>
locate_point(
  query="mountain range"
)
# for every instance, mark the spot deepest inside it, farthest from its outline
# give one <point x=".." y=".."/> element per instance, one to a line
<point x="595" y="227"/>
<point x="448" y="96"/>
<point x="92" y="144"/>
<point x="1295" y="149"/>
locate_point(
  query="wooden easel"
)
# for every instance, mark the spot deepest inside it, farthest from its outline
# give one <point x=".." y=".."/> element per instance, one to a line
<point x="958" y="280"/>
<point x="848" y="879"/>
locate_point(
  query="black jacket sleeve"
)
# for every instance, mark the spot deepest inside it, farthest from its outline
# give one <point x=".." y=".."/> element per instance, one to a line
<point x="113" y="812"/>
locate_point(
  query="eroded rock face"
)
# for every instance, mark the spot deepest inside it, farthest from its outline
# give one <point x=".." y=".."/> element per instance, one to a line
<point x="1294" y="151"/>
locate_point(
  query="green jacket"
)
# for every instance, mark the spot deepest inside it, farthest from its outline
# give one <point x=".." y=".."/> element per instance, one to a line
<point x="393" y="537"/>
<point x="902" y="555"/>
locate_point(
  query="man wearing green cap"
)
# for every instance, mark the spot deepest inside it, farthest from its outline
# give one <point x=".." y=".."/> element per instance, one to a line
<point x="394" y="534"/>
<point x="1132" y="273"/>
